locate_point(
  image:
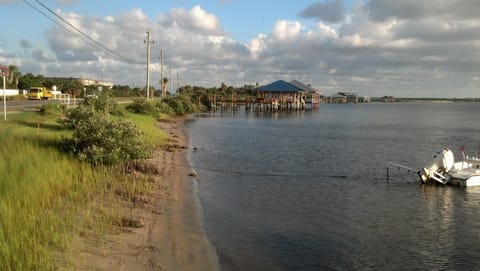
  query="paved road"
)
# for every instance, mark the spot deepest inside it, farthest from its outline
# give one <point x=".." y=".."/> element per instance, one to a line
<point x="26" y="104"/>
<point x="15" y="106"/>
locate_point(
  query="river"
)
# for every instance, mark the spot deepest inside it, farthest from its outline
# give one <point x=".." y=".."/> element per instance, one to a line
<point x="308" y="190"/>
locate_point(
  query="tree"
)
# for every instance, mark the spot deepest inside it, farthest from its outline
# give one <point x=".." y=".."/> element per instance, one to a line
<point x="223" y="87"/>
<point x="13" y="77"/>
<point x="164" y="85"/>
<point x="123" y="91"/>
<point x="74" y="87"/>
<point x="29" y="80"/>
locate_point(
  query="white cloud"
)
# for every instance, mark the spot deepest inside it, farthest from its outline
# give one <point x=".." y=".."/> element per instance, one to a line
<point x="325" y="31"/>
<point x="378" y="49"/>
<point x="195" y="19"/>
<point x="257" y="45"/>
<point x="286" y="30"/>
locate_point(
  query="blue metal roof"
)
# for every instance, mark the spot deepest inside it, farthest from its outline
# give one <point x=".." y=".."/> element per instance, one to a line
<point x="279" y="86"/>
<point x="305" y="88"/>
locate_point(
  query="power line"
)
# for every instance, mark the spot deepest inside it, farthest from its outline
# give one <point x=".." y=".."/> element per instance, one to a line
<point x="91" y="40"/>
<point x="83" y="33"/>
<point x="56" y="22"/>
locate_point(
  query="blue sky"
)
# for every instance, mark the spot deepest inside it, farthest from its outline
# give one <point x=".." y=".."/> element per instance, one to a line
<point x="242" y="20"/>
<point x="373" y="47"/>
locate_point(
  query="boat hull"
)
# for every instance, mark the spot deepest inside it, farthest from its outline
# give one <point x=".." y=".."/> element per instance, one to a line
<point x="465" y="177"/>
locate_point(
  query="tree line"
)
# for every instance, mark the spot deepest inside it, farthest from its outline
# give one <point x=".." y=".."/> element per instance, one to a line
<point x="73" y="86"/>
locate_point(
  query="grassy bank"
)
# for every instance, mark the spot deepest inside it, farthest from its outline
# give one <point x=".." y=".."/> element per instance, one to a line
<point x="47" y="195"/>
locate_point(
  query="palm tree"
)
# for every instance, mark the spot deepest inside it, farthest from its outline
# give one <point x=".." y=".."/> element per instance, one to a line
<point x="164" y="87"/>
<point x="13" y="76"/>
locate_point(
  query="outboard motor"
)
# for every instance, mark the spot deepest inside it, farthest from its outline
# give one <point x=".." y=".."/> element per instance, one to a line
<point x="442" y="163"/>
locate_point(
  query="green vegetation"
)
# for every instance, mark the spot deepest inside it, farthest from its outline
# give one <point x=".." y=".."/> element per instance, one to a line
<point x="203" y="98"/>
<point x="96" y="133"/>
<point x="179" y="105"/>
<point x="48" y="195"/>
<point x="200" y="96"/>
<point x="143" y="106"/>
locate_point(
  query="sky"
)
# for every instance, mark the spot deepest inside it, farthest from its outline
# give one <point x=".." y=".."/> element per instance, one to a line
<point x="404" y="48"/>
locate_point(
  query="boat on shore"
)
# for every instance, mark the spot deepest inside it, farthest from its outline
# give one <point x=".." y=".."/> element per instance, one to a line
<point x="445" y="170"/>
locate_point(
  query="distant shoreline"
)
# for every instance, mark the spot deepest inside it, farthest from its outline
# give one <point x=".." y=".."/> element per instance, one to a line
<point x="400" y="99"/>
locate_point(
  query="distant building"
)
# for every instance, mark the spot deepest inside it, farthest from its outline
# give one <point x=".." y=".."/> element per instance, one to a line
<point x="352" y="97"/>
<point x="343" y="97"/>
<point x="313" y="96"/>
<point x="388" y="99"/>
<point x="93" y="82"/>
<point x="282" y="95"/>
<point x="337" y="99"/>
<point x="86" y="81"/>
<point x="364" y="99"/>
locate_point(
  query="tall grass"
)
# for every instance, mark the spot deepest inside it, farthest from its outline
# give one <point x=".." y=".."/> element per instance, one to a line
<point x="42" y="190"/>
<point x="36" y="179"/>
<point x="152" y="135"/>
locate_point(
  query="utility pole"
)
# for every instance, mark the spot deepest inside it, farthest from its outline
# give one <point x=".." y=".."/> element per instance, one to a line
<point x="164" y="94"/>
<point x="148" y="42"/>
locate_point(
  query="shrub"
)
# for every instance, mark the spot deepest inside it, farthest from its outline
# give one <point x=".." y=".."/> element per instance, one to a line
<point x="91" y="106"/>
<point x="188" y="105"/>
<point x="53" y="109"/>
<point x="181" y="105"/>
<point x="143" y="106"/>
<point x="164" y="108"/>
<point x="103" y="103"/>
<point x="80" y="114"/>
<point x="98" y="139"/>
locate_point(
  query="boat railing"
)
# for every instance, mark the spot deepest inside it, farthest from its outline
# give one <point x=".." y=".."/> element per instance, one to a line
<point x="437" y="176"/>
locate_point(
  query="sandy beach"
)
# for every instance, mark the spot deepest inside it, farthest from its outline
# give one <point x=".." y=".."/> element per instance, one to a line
<point x="168" y="234"/>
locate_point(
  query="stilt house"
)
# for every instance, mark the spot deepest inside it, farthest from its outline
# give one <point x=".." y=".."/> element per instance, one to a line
<point x="282" y="95"/>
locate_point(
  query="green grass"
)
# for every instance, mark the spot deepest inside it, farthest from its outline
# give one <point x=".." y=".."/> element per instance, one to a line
<point x="43" y="190"/>
<point x="149" y="126"/>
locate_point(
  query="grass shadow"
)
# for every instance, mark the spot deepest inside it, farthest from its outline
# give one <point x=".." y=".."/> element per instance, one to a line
<point x="43" y="134"/>
<point x="55" y="127"/>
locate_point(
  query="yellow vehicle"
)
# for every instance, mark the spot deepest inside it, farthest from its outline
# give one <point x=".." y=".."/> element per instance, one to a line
<point x="39" y="93"/>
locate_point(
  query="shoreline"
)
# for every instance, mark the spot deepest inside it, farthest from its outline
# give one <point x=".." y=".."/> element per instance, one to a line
<point x="192" y="249"/>
<point x="170" y="233"/>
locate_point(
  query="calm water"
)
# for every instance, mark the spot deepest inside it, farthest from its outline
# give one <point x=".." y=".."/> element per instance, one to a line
<point x="308" y="191"/>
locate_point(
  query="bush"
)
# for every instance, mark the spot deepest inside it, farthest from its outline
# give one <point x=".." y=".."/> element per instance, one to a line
<point x="181" y="105"/>
<point x="103" y="103"/>
<point x="53" y="109"/>
<point x="143" y="106"/>
<point x="188" y="105"/>
<point x="80" y="114"/>
<point x="98" y="139"/>
<point x="164" y="108"/>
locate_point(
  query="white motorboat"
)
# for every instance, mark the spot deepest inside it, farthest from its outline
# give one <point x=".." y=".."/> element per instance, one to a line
<point x="445" y="170"/>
